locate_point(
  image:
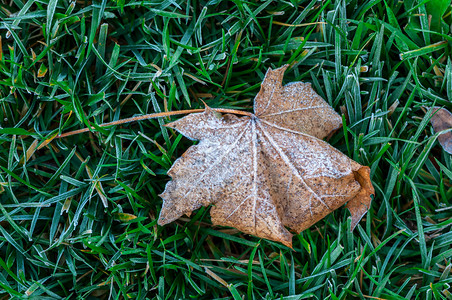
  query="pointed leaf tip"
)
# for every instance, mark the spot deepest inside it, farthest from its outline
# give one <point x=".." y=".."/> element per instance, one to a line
<point x="360" y="204"/>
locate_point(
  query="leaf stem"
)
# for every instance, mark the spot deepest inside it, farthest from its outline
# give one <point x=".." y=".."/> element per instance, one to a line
<point x="153" y="116"/>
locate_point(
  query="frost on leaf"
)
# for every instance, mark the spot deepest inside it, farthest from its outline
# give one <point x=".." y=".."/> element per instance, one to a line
<point x="268" y="171"/>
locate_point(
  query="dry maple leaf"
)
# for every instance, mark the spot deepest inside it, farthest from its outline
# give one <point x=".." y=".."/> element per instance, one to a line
<point x="268" y="170"/>
<point x="442" y="120"/>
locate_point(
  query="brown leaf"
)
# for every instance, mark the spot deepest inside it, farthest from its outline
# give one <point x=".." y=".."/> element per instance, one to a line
<point x="442" y="120"/>
<point x="268" y="170"/>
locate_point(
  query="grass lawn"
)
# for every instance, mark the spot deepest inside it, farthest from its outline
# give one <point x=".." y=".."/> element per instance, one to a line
<point x="78" y="215"/>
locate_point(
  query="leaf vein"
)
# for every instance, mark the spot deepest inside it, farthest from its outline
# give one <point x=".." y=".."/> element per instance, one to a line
<point x="289" y="164"/>
<point x="294" y="110"/>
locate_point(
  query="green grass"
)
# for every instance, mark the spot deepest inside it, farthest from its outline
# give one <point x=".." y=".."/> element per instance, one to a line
<point x="78" y="215"/>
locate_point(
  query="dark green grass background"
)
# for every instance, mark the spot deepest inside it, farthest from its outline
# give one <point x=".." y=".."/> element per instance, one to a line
<point x="78" y="215"/>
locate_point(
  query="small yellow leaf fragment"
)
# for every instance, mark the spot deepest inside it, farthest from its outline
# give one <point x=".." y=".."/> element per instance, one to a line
<point x="66" y="205"/>
<point x="42" y="71"/>
<point x="31" y="150"/>
<point x="33" y="54"/>
<point x="31" y="289"/>
<point x="125" y="217"/>
<point x="47" y="141"/>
